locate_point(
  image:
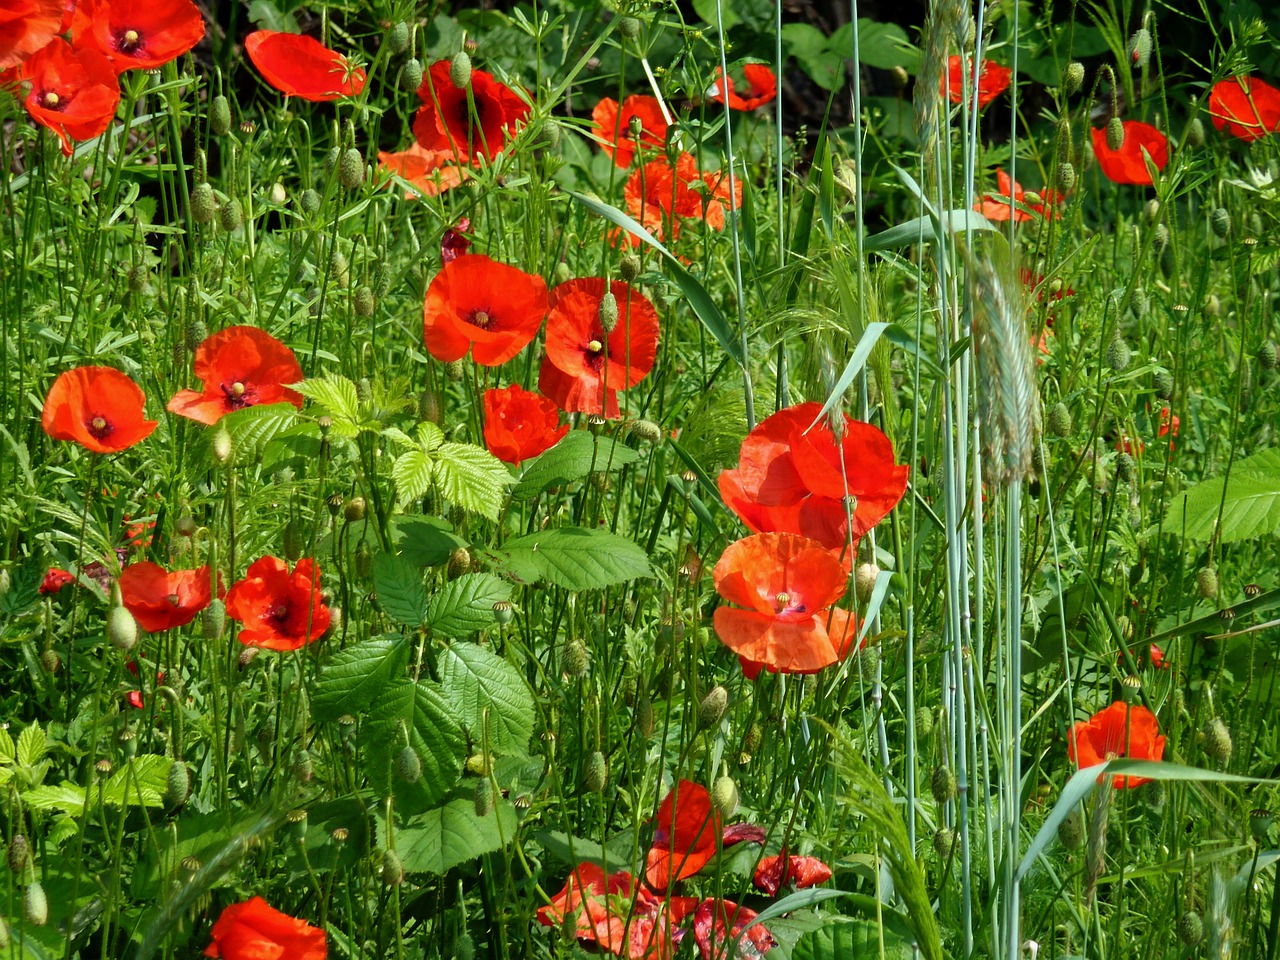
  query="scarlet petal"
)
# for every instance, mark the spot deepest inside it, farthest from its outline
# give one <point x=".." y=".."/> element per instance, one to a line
<point x="1245" y="107"/>
<point x="613" y="126"/>
<point x="1128" y="165"/>
<point x="99" y="408"/>
<point x="254" y="930"/>
<point x="301" y="66"/>
<point x="519" y="424"/>
<point x="490" y="307"/>
<point x="161" y="30"/>
<point x="162" y="600"/>
<point x="1117" y="731"/>
<point x="280" y="610"/>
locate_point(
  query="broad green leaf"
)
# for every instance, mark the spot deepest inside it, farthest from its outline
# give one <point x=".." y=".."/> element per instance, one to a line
<point x="251" y="429"/>
<point x="430" y="436"/>
<point x="471" y="477"/>
<point x="489" y="697"/>
<point x="144" y="784"/>
<point x="575" y="558"/>
<point x="425" y="541"/>
<point x="465" y="605"/>
<point x="266" y="15"/>
<point x="881" y="45"/>
<point x="572" y="459"/>
<point x="8" y="752"/>
<point x="420" y="709"/>
<point x="31" y="746"/>
<point x="444" y="837"/>
<point x="398" y="585"/>
<point x="66" y="797"/>
<point x="336" y="394"/>
<point x="412" y="473"/>
<point x="352" y="678"/>
<point x="849" y="938"/>
<point x="1251" y="508"/>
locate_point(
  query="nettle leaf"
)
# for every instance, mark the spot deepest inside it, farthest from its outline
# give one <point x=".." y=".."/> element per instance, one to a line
<point x="1251" y="508"/>
<point x="8" y="752"/>
<point x="489" y="697"/>
<point x="144" y="784"/>
<point x="421" y="709"/>
<point x="446" y="836"/>
<point x="425" y="541"/>
<point x="574" y="558"/>
<point x="412" y="473"/>
<point x="398" y="585"/>
<point x="572" y="459"/>
<point x="352" y="678"/>
<point x="337" y="395"/>
<point x="251" y="429"/>
<point x="430" y="437"/>
<point x="465" y="605"/>
<point x="471" y="477"/>
<point x="66" y="797"/>
<point x="32" y="746"/>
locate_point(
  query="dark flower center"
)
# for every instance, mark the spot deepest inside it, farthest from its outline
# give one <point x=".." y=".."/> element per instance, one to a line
<point x="50" y="100"/>
<point x="279" y="614"/>
<point x="99" y="427"/>
<point x="783" y="601"/>
<point x="481" y="319"/>
<point x="128" y="41"/>
<point x="174" y="600"/>
<point x="236" y="395"/>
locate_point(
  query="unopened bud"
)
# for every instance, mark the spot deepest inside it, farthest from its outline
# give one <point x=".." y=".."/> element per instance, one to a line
<point x="460" y="70"/>
<point x="1118" y="355"/>
<point x="1190" y="928"/>
<point x="1070" y="832"/>
<point x="220" y="116"/>
<point x="354" y="509"/>
<point x="596" y="772"/>
<point x="409" y="765"/>
<point x="1115" y="134"/>
<point x="1217" y="741"/>
<point x="864" y="581"/>
<point x="204" y="204"/>
<point x="177" y="785"/>
<point x="351" y="169"/>
<point x="484" y="797"/>
<point x="629" y="27"/>
<point x="122" y="628"/>
<point x="411" y="75"/>
<point x="231" y="216"/>
<point x="1207" y="582"/>
<point x="18" y="854"/>
<point x="311" y="201"/>
<point x="644" y="716"/>
<point x="1220" y="221"/>
<point x="712" y="708"/>
<point x="561" y="273"/>
<point x="1195" y="133"/>
<point x="629" y="267"/>
<point x="943" y="783"/>
<point x="944" y="843"/>
<point x="575" y="661"/>
<point x="398" y="38"/>
<point x="1073" y="78"/>
<point x="459" y="563"/>
<point x="1162" y="383"/>
<point x="35" y="904"/>
<point x="1064" y="180"/>
<point x="364" y="302"/>
<point x="1140" y="48"/>
<point x="1059" y="420"/>
<point x="392" y="869"/>
<point x="608" y="312"/>
<point x="724" y="796"/>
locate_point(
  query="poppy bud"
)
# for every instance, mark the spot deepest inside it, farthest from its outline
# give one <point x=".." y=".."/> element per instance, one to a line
<point x="724" y="796"/>
<point x="1118" y="355"/>
<point x="1073" y="78"/>
<point x="596" y="772"/>
<point x="943" y="783"/>
<point x="4" y="934"/>
<point x="483" y="797"/>
<point x="712" y="708"/>
<point x="1059" y="420"/>
<point x="629" y="27"/>
<point x="411" y="75"/>
<point x="122" y="629"/>
<point x="755" y="735"/>
<point x="453" y="370"/>
<point x="1217" y="741"/>
<point x="247" y="656"/>
<point x="177" y="785"/>
<point x="18" y="852"/>
<point x="1162" y="383"/>
<point x="338" y="270"/>
<point x="459" y="563"/>
<point x="561" y="274"/>
<point x="864" y="580"/>
<point x="1140" y="48"/>
<point x="1220" y="221"/>
<point x="503" y="612"/>
<point x="220" y="116"/>
<point x="1124" y="468"/>
<point x="629" y="267"/>
<point x="354" y="510"/>
<point x="478" y="765"/>
<point x="220" y="445"/>
<point x="364" y="302"/>
<point x="303" y="769"/>
<point x="464" y="948"/>
<point x="351" y="169"/>
<point x="460" y="70"/>
<point x="295" y="540"/>
<point x="575" y="661"/>
<point x="647" y="430"/>
<point x="50" y="661"/>
<point x="944" y="842"/>
<point x="409" y="765"/>
<point x="1195" y="133"/>
<point x="35" y="904"/>
<point x="644" y="716"/>
<point x="1207" y="582"/>
<point x="608" y="312"/>
<point x="1190" y="928"/>
<point x="392" y="869"/>
<point x="311" y="201"/>
<point x="231" y="216"/>
<point x="1065" y="177"/>
<point x="551" y="135"/>
<point x="204" y="205"/>
<point x="363" y="560"/>
<point x="398" y="38"/>
<point x="1268" y="356"/>
<point x="1115" y="133"/>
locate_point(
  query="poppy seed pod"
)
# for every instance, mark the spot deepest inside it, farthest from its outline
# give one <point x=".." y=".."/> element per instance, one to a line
<point x="297" y="821"/>
<point x="398" y="38"/>
<point x="220" y="116"/>
<point x="411" y="74"/>
<point x="204" y="204"/>
<point x="351" y="169"/>
<point x="595" y="773"/>
<point x="1073" y="78"/>
<point x="460" y="70"/>
<point x="1115" y="134"/>
<point x="724" y="796"/>
<point x="503" y="612"/>
<point x="712" y="708"/>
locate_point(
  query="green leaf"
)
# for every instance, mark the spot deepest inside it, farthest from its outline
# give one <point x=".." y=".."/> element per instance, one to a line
<point x="574" y="558"/>
<point x="352" y="678"/>
<point x="398" y="585"/>
<point x="420" y="709"/>
<point x="472" y="477"/>
<point x="66" y="797"/>
<point x="920" y="230"/>
<point x="489" y="697"/>
<point x="425" y="541"/>
<point x="412" y="473"/>
<point x="849" y="938"/>
<point x="444" y="837"/>
<point x="144" y="784"/>
<point x="881" y="45"/>
<point x="266" y="15"/>
<point x="336" y="394"/>
<point x="572" y="459"/>
<point x="465" y="605"/>
<point x="1251" y="508"/>
<point x="8" y="752"/>
<point x="31" y="746"/>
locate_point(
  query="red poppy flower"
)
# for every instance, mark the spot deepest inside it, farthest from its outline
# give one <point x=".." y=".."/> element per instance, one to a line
<point x="772" y="872"/>
<point x="1118" y="731"/>
<point x="613" y="127"/>
<point x="240" y="367"/>
<point x="477" y="304"/>
<point x="686" y="833"/>
<point x="429" y="172"/>
<point x="1127" y="165"/>
<point x="762" y="88"/>
<point x="134" y="697"/>
<point x="25" y="27"/>
<point x="99" y="408"/>
<point x="161" y="600"/>
<point x="454" y="242"/>
<point x="587" y="366"/>
<point x="658" y="196"/>
<point x="1245" y="107"/>
<point x="253" y="930"/>
<point x="73" y="92"/>
<point x="137" y="34"/>
<point x="519" y="424"/>
<point x="993" y="80"/>
<point x="790" y="478"/>
<point x="300" y="66"/>
<point x="718" y="923"/>
<point x="1009" y="203"/>
<point x="280" y="610"/>
<point x="445" y="121"/>
<point x="1165" y="422"/>
<point x="55" y="580"/>
<point x="1156" y="657"/>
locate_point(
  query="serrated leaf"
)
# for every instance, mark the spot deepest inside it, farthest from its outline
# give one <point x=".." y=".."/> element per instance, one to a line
<point x="412" y="473"/>
<point x="31" y="746"/>
<point x="849" y="938"/>
<point x="489" y="697"/>
<point x="448" y="835"/>
<point x="352" y="678"/>
<point x="142" y="781"/>
<point x="253" y="428"/>
<point x="471" y="477"/>
<point x="66" y="797"/>
<point x="1251" y="508"/>
<point x="426" y="541"/>
<point x="8" y="752"/>
<point x="423" y="711"/>
<point x="336" y="394"/>
<point x="430" y="437"/>
<point x="398" y="585"/>
<point x="465" y="605"/>
<point x="572" y="459"/>
<point x="575" y="558"/>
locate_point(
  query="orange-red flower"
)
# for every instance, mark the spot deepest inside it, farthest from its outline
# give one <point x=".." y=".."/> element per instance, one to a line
<point x="254" y="930"/>
<point x="240" y="367"/>
<point x="477" y="304"/>
<point x="161" y="600"/>
<point x="137" y="34"/>
<point x="993" y="80"/>
<point x="25" y="27"/>
<point x="762" y="88"/>
<point x="429" y="172"/>
<point x="1011" y="199"/>
<point x="519" y="424"/>
<point x="99" y="408"/>
<point x="718" y="923"/>
<point x="795" y="479"/>
<point x="613" y="126"/>
<point x="788" y="584"/>
<point x="687" y="832"/>
<point x="445" y="121"/>
<point x="73" y="92"/>
<point x="659" y="196"/>
<point x="772" y="872"/>
<point x="1127" y="165"/>
<point x="280" y="610"/>
<point x="1118" y="731"/>
<point x="454" y="242"/>
<point x="55" y="580"/>
<point x="587" y="365"/>
<point x="301" y="66"/>
<point x="1245" y="107"/>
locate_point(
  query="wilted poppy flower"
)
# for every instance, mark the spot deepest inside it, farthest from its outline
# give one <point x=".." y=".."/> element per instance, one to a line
<point x="55" y="580"/>
<point x="613" y="126"/>
<point x="254" y="930"/>
<point x="240" y="367"/>
<point x="1000" y="207"/>
<point x="25" y="27"/>
<point x="717" y="923"/>
<point x="429" y="172"/>
<point x="762" y="88"/>
<point x="280" y="610"/>
<point x="134" y="697"/>
<point x="161" y="600"/>
<point x="687" y="832"/>
<point x="787" y="583"/>
<point x="593" y="363"/>
<point x="1118" y="731"/>
<point x="301" y="66"/>
<point x="477" y="304"/>
<point x="73" y="93"/>
<point x="789" y="477"/>
<point x="454" y="242"/>
<point x="1127" y="165"/>
<point x="1245" y="107"/>
<point x="993" y="80"/>
<point x="99" y="408"/>
<point x="137" y="35"/>
<point x="660" y="196"/>
<point x="445" y="121"/>
<point x="772" y="872"/>
<point x="519" y="424"/>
